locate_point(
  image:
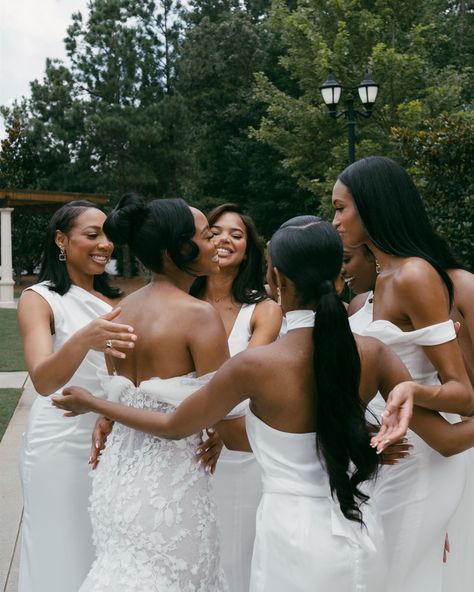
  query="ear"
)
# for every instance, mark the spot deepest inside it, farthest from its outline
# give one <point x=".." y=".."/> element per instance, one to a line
<point x="61" y="240"/>
<point x="280" y="279"/>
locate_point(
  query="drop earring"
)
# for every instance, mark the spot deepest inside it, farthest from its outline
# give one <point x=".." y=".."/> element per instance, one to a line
<point x="377" y="267"/>
<point x="62" y="255"/>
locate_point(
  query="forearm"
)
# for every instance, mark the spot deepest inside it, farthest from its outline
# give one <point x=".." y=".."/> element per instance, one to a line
<point x="234" y="434"/>
<point x="58" y="368"/>
<point x="452" y="397"/>
<point x="143" y="420"/>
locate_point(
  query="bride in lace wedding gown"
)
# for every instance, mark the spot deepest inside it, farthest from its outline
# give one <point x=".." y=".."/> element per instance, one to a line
<point x="152" y="508"/>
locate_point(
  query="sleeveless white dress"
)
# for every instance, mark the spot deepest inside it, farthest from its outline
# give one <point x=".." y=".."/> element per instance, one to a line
<point x="152" y="505"/>
<point x="238" y="487"/>
<point x="417" y="497"/>
<point x="56" y="546"/>
<point x="304" y="543"/>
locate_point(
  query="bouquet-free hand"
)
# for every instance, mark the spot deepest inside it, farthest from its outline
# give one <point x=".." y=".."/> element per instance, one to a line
<point x="396" y="416"/>
<point x="75" y="401"/>
<point x="209" y="450"/>
<point x="103" y="427"/>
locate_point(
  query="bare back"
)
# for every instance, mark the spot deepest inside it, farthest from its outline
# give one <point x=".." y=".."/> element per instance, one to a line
<point x="177" y="334"/>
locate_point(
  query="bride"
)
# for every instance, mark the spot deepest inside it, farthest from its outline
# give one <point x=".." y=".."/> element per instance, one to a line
<point x="151" y="506"/>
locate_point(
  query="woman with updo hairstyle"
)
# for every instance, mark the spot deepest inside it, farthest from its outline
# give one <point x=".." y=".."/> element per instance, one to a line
<point x="377" y="205"/>
<point x="152" y="508"/>
<point x="250" y="319"/>
<point x="66" y="323"/>
<point x="305" y="424"/>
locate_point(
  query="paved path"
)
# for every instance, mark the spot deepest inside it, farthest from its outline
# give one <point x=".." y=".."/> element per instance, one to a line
<point x="11" y="505"/>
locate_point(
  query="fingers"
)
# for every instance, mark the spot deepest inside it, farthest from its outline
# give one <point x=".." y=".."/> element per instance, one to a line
<point x="113" y="314"/>
<point x="208" y="452"/>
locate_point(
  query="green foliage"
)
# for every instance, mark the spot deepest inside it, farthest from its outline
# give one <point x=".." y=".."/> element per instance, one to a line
<point x="8" y="401"/>
<point x="440" y="159"/>
<point x="11" y="351"/>
<point x="411" y="52"/>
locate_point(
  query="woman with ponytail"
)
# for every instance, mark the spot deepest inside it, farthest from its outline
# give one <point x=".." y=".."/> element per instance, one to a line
<point x="306" y="427"/>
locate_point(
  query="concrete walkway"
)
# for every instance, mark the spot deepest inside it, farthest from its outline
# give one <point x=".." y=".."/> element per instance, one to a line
<point x="11" y="505"/>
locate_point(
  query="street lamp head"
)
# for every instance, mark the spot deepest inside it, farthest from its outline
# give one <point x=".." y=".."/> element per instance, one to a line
<point x="331" y="93"/>
<point x="368" y="90"/>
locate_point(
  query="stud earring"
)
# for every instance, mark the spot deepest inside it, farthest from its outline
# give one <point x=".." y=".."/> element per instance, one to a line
<point x="377" y="267"/>
<point x="62" y="255"/>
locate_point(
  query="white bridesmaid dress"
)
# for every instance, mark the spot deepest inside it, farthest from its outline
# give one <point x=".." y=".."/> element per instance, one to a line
<point x="237" y="486"/>
<point x="304" y="543"/>
<point x="418" y="497"/>
<point x="56" y="545"/>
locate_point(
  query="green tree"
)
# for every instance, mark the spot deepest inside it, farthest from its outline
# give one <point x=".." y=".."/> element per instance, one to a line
<point x="396" y="39"/>
<point x="440" y="159"/>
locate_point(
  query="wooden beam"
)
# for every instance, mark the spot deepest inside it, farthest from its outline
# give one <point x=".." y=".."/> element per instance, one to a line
<point x="18" y="197"/>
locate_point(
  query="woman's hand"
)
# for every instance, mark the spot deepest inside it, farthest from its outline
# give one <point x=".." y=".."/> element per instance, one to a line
<point x="103" y="427"/>
<point x="104" y="335"/>
<point x="396" y="416"/>
<point x="75" y="401"/>
<point x="209" y="450"/>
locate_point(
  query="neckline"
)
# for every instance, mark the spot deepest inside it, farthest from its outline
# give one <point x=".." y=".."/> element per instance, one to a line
<point x="234" y="326"/>
<point x="396" y="327"/>
<point x="269" y="427"/>
<point x="299" y="319"/>
<point x="90" y="294"/>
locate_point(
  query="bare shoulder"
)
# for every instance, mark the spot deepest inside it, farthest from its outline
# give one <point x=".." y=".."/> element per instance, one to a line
<point x="267" y="309"/>
<point x="357" y="303"/>
<point x="31" y="304"/>
<point x="416" y="271"/>
<point x="463" y="282"/>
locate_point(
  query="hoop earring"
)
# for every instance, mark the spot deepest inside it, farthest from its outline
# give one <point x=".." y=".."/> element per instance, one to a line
<point x="377" y="267"/>
<point x="278" y="296"/>
<point x="62" y="255"/>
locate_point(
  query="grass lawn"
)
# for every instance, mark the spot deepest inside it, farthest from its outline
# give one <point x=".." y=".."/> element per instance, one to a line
<point x="8" y="401"/>
<point x="11" y="352"/>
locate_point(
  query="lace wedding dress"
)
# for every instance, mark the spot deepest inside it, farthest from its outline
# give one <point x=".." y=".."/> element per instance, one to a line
<point x="152" y="506"/>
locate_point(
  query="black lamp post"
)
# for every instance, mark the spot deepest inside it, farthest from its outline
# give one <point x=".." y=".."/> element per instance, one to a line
<point x="331" y="92"/>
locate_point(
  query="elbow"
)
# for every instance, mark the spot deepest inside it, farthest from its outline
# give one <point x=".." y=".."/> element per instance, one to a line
<point x="41" y="387"/>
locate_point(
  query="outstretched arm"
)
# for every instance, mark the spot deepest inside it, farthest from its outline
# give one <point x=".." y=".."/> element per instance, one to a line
<point x="205" y="407"/>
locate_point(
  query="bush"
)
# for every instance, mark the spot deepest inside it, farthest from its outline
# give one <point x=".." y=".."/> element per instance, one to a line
<point x="440" y="159"/>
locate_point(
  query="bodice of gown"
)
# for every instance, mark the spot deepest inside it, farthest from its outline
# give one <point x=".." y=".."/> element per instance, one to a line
<point x="291" y="466"/>
<point x="408" y="345"/>
<point x="241" y="333"/>
<point x="73" y="311"/>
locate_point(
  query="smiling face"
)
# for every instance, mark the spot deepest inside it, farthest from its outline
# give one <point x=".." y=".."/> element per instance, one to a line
<point x="207" y="262"/>
<point x="346" y="218"/>
<point x="358" y="269"/>
<point x="87" y="248"/>
<point x="230" y="237"/>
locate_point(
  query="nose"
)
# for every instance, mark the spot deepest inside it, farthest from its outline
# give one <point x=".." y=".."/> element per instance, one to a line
<point x="335" y="220"/>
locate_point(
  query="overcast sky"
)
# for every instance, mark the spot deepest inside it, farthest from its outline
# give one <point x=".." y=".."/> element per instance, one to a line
<point x="30" y="32"/>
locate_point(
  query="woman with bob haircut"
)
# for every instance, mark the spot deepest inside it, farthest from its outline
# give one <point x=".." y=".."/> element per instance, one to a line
<point x="377" y="204"/>
<point x="66" y="323"/>
<point x="251" y="319"/>
<point x="305" y="424"/>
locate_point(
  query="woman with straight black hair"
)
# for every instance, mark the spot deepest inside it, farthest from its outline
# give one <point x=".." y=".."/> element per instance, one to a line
<point x="250" y="319"/>
<point x="377" y="205"/>
<point x="66" y="323"/>
<point x="306" y="426"/>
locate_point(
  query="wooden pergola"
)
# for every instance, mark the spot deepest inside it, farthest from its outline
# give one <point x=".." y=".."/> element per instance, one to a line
<point x="13" y="198"/>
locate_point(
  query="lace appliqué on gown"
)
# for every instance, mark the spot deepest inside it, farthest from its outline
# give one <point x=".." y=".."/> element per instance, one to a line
<point x="153" y="513"/>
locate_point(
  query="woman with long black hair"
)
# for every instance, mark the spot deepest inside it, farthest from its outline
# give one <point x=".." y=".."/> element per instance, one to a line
<point x="377" y="205"/>
<point x="306" y="424"/>
<point x="66" y="323"/>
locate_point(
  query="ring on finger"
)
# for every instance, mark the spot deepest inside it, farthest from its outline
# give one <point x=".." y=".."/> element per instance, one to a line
<point x="108" y="344"/>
